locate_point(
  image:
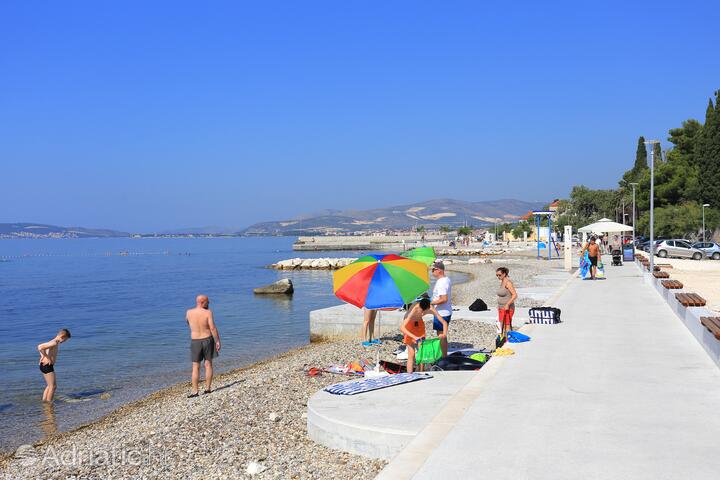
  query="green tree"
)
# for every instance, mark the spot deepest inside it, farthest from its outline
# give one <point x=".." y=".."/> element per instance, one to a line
<point x="641" y="162"/>
<point x="639" y="167"/>
<point x="420" y="229"/>
<point x="708" y="154"/>
<point x="657" y="153"/>
<point x="678" y="221"/>
<point x="684" y="140"/>
<point x="587" y="205"/>
<point x="444" y="229"/>
<point x="520" y="228"/>
<point x="464" y="231"/>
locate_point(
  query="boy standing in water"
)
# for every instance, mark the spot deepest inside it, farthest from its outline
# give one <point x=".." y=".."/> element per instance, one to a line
<point x="413" y="328"/>
<point x="48" y="357"/>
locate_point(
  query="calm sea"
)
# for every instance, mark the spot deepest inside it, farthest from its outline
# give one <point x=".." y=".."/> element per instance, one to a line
<point x="124" y="301"/>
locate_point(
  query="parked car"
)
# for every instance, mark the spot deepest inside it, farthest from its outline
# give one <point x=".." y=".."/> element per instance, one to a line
<point x="711" y="249"/>
<point x="678" y="248"/>
<point x="645" y="246"/>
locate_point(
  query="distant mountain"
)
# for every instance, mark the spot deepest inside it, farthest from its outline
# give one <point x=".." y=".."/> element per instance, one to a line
<point x="39" y="230"/>
<point x="431" y="214"/>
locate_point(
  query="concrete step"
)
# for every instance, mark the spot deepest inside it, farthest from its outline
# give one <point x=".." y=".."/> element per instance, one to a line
<point x="379" y="424"/>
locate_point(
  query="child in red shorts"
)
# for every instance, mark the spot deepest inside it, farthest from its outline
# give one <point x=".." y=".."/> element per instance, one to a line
<point x="413" y="328"/>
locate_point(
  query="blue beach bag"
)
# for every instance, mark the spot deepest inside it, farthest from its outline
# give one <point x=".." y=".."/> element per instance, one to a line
<point x="517" y="337"/>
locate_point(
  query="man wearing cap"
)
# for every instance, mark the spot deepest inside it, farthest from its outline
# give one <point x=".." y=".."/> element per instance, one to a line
<point x="441" y="299"/>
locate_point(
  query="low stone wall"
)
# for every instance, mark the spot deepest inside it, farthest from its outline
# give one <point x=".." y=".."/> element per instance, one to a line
<point x="690" y="316"/>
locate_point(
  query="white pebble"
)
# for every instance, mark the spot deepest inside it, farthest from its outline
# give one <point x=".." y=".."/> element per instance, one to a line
<point x="254" y="468"/>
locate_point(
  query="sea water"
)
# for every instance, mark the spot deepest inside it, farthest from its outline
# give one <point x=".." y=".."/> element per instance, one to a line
<point x="124" y="301"/>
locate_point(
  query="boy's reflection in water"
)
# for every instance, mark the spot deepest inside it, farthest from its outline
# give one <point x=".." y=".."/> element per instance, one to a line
<point x="49" y="424"/>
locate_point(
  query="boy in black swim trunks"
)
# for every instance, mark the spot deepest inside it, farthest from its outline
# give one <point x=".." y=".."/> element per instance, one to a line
<point x="48" y="357"/>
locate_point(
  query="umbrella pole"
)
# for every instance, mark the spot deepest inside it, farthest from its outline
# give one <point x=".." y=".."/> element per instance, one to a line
<point x="377" y="345"/>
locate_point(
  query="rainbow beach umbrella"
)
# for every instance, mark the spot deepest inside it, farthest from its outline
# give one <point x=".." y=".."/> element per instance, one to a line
<point x="424" y="255"/>
<point x="381" y="281"/>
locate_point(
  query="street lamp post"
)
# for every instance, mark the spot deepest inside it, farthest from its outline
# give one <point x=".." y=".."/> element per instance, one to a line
<point x="652" y="203"/>
<point x="703" y="210"/>
<point x="633" y="230"/>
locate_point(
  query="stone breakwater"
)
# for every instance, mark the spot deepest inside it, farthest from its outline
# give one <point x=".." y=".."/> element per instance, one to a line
<point x="312" y="263"/>
<point x="337" y="263"/>
<point x="469" y="252"/>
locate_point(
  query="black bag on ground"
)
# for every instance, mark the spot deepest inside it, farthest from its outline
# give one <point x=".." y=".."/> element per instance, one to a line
<point x="546" y="315"/>
<point x="478" y="306"/>
<point x="458" y="363"/>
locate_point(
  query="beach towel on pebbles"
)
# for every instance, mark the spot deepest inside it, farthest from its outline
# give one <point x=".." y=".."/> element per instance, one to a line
<point x="370" y="384"/>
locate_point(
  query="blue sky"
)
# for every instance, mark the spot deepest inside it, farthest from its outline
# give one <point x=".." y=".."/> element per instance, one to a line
<point x="154" y="115"/>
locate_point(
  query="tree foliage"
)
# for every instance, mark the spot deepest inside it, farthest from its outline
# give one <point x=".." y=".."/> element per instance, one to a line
<point x="687" y="177"/>
<point x="520" y="228"/>
<point x="641" y="162"/>
<point x="708" y="154"/>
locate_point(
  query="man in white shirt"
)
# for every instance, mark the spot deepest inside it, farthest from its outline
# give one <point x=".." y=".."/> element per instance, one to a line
<point x="441" y="299"/>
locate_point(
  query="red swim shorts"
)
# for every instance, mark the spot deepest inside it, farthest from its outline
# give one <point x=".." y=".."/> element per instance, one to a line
<point x="505" y="316"/>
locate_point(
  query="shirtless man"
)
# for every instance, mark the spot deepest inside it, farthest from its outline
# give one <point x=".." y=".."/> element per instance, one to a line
<point x="593" y="254"/>
<point x="48" y="357"/>
<point x="204" y="342"/>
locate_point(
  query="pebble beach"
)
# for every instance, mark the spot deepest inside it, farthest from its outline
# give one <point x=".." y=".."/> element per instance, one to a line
<point x="255" y="417"/>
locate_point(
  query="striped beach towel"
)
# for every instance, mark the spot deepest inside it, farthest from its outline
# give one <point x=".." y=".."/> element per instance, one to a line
<point x="370" y="384"/>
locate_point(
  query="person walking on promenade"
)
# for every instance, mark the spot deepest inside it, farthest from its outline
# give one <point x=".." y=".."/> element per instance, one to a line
<point x="48" y="357"/>
<point x="204" y="342"/>
<point x="442" y="300"/>
<point x="506" y="295"/>
<point x="593" y="251"/>
<point x="368" y="329"/>
<point x="413" y="329"/>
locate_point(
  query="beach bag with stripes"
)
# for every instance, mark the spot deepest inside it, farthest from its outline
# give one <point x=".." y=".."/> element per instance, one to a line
<point x="545" y="315"/>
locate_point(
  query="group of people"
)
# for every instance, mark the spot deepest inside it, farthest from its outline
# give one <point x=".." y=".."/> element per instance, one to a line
<point x="440" y="306"/>
<point x="204" y="347"/>
<point x="205" y="338"/>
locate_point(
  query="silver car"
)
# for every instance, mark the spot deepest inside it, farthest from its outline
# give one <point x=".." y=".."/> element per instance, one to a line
<point x="711" y="249"/>
<point x="678" y="248"/>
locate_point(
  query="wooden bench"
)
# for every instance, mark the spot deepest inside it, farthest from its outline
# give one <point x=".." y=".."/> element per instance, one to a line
<point x="672" y="284"/>
<point x="690" y="299"/>
<point x="661" y="275"/>
<point x="712" y="324"/>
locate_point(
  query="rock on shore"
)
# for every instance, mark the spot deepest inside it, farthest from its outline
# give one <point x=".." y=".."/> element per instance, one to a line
<point x="312" y="263"/>
<point x="281" y="286"/>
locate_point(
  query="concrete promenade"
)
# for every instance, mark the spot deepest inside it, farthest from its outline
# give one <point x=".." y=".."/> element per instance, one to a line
<point x="619" y="390"/>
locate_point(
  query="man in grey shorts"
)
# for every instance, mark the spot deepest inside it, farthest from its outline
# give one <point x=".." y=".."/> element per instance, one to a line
<point x="204" y="342"/>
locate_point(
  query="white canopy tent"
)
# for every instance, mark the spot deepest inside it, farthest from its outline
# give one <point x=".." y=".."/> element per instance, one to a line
<point x="605" y="225"/>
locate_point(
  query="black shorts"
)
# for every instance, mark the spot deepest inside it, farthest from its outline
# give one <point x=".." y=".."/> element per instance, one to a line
<point x="593" y="261"/>
<point x="202" y="349"/>
<point x="47" y="368"/>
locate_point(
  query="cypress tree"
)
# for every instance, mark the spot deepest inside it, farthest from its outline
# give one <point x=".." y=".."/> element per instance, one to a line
<point x="708" y="154"/>
<point x="640" y="157"/>
<point x="657" y="153"/>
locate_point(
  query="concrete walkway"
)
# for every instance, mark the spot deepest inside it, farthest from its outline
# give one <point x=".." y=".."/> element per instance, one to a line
<point x="619" y="390"/>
